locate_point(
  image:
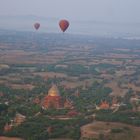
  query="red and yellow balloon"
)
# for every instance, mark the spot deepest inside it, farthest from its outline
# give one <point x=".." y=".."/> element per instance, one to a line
<point x="63" y="24"/>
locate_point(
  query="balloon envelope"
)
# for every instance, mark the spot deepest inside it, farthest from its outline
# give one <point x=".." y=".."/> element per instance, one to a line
<point x="36" y="26"/>
<point x="64" y="24"/>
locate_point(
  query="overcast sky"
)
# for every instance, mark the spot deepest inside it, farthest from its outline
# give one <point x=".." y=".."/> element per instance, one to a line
<point x="100" y="10"/>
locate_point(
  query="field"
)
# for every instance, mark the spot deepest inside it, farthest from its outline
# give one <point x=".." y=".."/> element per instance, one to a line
<point x="109" y="130"/>
<point x="87" y="70"/>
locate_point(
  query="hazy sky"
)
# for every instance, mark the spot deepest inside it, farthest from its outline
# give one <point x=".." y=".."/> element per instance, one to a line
<point x="100" y="10"/>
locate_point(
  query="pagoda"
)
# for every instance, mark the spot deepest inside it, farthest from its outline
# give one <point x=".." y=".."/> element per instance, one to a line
<point x="104" y="105"/>
<point x="19" y="119"/>
<point x="53" y="99"/>
<point x="7" y="127"/>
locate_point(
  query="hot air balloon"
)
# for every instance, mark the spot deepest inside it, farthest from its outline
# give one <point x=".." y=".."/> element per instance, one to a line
<point x="64" y="24"/>
<point x="36" y="26"/>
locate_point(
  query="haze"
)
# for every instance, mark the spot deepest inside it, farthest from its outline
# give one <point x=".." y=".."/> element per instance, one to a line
<point x="103" y="11"/>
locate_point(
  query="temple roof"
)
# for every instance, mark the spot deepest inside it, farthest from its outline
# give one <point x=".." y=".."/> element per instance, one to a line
<point x="53" y="91"/>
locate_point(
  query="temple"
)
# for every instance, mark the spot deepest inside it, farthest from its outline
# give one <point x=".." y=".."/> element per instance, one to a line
<point x="54" y="100"/>
<point x="104" y="105"/>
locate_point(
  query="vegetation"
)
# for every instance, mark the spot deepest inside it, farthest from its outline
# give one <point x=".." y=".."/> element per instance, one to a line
<point x="74" y="63"/>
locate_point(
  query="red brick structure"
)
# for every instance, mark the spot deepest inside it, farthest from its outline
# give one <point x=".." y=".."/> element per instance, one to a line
<point x="104" y="105"/>
<point x="68" y="104"/>
<point x="19" y="119"/>
<point x="7" y="127"/>
<point x="77" y="94"/>
<point x="53" y="99"/>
